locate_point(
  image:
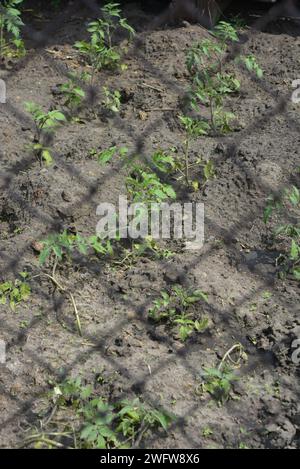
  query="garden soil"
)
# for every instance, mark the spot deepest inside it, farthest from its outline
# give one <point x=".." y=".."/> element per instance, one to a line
<point x="247" y="304"/>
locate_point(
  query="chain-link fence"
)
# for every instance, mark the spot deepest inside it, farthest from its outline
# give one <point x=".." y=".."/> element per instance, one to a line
<point x="59" y="299"/>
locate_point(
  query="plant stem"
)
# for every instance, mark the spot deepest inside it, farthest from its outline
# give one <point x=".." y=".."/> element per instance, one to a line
<point x="228" y="353"/>
<point x="64" y="290"/>
<point x="43" y="439"/>
<point x="187" y="149"/>
<point x="1" y="37"/>
<point x="212" y="117"/>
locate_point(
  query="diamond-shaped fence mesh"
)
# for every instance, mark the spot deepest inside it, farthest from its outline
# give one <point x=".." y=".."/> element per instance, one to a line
<point x="150" y="373"/>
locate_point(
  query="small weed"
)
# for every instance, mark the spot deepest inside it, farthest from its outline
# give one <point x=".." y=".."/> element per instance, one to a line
<point x="24" y="324"/>
<point x="176" y="308"/>
<point x="207" y="432"/>
<point x="14" y="292"/>
<point x="266" y="295"/>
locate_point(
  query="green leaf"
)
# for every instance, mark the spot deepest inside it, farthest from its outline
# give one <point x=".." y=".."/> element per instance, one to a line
<point x="45" y="253"/>
<point x="57" y="251"/>
<point x="201" y="325"/>
<point x="57" y="115"/>
<point x="267" y="213"/>
<point x="89" y="433"/>
<point x="294" y="196"/>
<point x="212" y="372"/>
<point x="86" y="392"/>
<point x="294" y="251"/>
<point x="184" y="332"/>
<point x="164" y="420"/>
<point x="296" y="273"/>
<point x="23" y="274"/>
<point x="3" y="300"/>
<point x="106" y="155"/>
<point x="170" y="192"/>
<point x="200" y="295"/>
<point x="47" y="157"/>
<point x="106" y="432"/>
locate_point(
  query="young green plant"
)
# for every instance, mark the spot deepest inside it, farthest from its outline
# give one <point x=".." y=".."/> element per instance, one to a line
<point x="177" y="308"/>
<point x="45" y="123"/>
<point x="210" y="83"/>
<point x="287" y="233"/>
<point x="98" y="423"/>
<point x="112" y="100"/>
<point x="11" y="44"/>
<point x="100" y="50"/>
<point x="73" y="94"/>
<point x="14" y="292"/>
<point x="59" y="246"/>
<point x="218" y="381"/>
<point x="144" y="187"/>
<point x="194" y="128"/>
